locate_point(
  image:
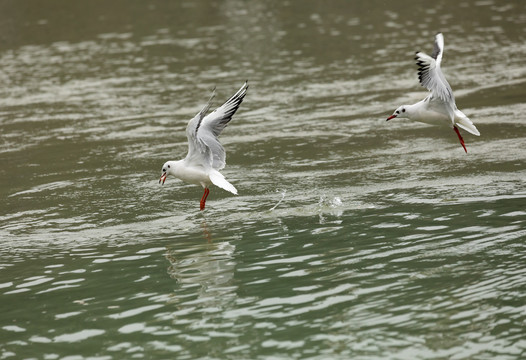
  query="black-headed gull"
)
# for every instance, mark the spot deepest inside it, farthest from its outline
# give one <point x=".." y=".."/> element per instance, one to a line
<point x="439" y="107"/>
<point x="206" y="156"/>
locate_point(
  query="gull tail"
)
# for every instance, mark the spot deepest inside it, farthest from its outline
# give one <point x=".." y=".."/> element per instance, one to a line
<point x="463" y="122"/>
<point x="219" y="180"/>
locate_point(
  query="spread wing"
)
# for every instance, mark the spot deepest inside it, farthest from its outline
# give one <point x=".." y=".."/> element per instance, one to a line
<point x="430" y="74"/>
<point x="203" y="130"/>
<point x="196" y="150"/>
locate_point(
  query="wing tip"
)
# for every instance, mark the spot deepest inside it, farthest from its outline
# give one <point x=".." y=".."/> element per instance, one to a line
<point x="245" y="86"/>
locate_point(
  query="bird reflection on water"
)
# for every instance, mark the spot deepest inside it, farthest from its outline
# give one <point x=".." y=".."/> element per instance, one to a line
<point x="206" y="233"/>
<point x="209" y="265"/>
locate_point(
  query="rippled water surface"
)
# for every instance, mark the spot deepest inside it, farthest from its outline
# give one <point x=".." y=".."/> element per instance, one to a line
<point x="351" y="237"/>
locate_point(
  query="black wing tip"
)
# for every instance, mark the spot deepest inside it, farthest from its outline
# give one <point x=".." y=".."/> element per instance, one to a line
<point x="236" y="100"/>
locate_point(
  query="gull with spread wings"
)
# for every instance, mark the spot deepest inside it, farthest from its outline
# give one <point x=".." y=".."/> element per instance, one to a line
<point x="206" y="156"/>
<point x="439" y="107"/>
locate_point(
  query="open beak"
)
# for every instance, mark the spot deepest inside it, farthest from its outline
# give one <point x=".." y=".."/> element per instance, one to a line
<point x="390" y="117"/>
<point x="163" y="177"/>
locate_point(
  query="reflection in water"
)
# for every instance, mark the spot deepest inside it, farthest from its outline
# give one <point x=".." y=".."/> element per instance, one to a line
<point x="206" y="233"/>
<point x="210" y="266"/>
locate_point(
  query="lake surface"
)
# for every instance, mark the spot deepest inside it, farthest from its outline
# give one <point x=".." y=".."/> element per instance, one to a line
<point x="351" y="237"/>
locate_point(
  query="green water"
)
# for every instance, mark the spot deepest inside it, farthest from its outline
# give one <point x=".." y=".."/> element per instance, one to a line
<point x="351" y="237"/>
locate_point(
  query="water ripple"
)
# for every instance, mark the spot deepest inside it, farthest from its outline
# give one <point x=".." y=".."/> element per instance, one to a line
<point x="351" y="237"/>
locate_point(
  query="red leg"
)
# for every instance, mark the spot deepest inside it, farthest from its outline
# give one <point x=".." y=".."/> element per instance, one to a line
<point x="460" y="138"/>
<point x="203" y="199"/>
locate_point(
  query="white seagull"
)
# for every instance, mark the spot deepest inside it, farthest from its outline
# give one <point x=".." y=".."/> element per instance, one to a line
<point x="439" y="107"/>
<point x="206" y="156"/>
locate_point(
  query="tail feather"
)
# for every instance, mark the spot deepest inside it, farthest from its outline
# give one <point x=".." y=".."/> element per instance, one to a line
<point x="219" y="180"/>
<point x="463" y="122"/>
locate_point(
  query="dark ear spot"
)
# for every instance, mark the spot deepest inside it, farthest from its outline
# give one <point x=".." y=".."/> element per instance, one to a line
<point x="168" y="166"/>
<point x="403" y="110"/>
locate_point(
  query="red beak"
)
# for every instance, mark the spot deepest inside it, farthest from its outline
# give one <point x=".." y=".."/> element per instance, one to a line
<point x="163" y="177"/>
<point x="390" y="117"/>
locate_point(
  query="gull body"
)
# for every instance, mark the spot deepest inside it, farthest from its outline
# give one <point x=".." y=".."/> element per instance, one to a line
<point x="206" y="156"/>
<point x="439" y="107"/>
<point x="188" y="172"/>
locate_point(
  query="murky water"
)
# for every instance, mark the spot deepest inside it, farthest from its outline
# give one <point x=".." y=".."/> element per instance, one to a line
<point x="351" y="237"/>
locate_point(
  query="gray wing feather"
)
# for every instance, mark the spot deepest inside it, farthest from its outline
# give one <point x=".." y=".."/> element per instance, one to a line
<point x="196" y="149"/>
<point x="438" y="48"/>
<point x="202" y="132"/>
<point x="214" y="123"/>
<point x="430" y="73"/>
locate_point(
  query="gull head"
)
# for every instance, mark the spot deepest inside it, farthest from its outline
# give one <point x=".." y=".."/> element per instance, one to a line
<point x="166" y="170"/>
<point x="401" y="112"/>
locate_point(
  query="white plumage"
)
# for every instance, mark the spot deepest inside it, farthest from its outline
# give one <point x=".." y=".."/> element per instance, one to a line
<point x="439" y="107"/>
<point x="206" y="156"/>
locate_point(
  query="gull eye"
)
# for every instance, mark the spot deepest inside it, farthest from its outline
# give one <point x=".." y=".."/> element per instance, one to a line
<point x="164" y="170"/>
<point x="403" y="110"/>
<point x="398" y="112"/>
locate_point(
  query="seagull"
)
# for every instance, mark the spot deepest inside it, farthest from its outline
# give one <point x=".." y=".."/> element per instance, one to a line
<point x="206" y="156"/>
<point x="439" y="107"/>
